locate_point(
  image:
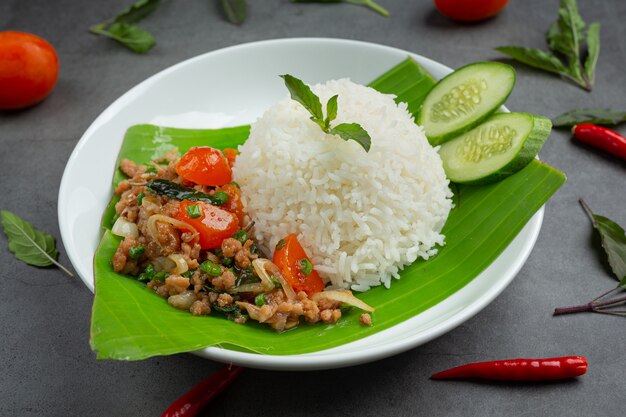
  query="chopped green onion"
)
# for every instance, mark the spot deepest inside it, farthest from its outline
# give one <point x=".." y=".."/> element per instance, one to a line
<point x="275" y="281"/>
<point x="259" y="300"/>
<point x="194" y="211"/>
<point x="281" y="243"/>
<point x="136" y="252"/>
<point x="305" y="266"/>
<point x="147" y="274"/>
<point x="241" y="236"/>
<point x="221" y="198"/>
<point x="140" y="197"/>
<point x="188" y="274"/>
<point x="151" y="169"/>
<point x="160" y="276"/>
<point x="211" y="268"/>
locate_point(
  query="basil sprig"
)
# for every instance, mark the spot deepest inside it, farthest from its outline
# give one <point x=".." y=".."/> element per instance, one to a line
<point x="565" y="38"/>
<point x="235" y="11"/>
<point x="28" y="244"/>
<point x="370" y="4"/>
<point x="302" y="93"/>
<point x="595" y="116"/>
<point x="122" y="28"/>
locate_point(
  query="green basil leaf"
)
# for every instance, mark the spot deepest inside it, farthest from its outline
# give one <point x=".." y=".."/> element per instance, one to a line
<point x="138" y="11"/>
<point x="353" y="131"/>
<point x="235" y="11"/>
<point x="302" y="93"/>
<point x="595" y="116"/>
<point x="365" y="3"/>
<point x="28" y="244"/>
<point x="132" y="37"/>
<point x="331" y="110"/>
<point x="565" y="35"/>
<point x="613" y="241"/>
<point x="593" y="49"/>
<point x="180" y="192"/>
<point x="535" y="58"/>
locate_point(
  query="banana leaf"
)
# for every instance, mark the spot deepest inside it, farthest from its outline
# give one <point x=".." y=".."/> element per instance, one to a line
<point x="130" y="322"/>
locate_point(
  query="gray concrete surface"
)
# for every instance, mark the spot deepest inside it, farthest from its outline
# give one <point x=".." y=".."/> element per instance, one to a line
<point x="46" y="365"/>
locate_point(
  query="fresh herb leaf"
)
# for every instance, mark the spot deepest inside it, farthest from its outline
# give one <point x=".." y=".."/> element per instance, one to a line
<point x="136" y="252"/>
<point x="194" y="211"/>
<point x="235" y="10"/>
<point x="259" y="300"/>
<point x="28" y="244"/>
<point x="535" y="58"/>
<point x="302" y="93"/>
<point x="593" y="51"/>
<point x="122" y="30"/>
<point x="595" y="116"/>
<point x="331" y="110"/>
<point x="613" y="241"/>
<point x="179" y="192"/>
<point x="565" y="37"/>
<point x="353" y="131"/>
<point x="366" y="3"/>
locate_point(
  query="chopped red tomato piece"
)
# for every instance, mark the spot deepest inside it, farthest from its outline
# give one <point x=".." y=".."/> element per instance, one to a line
<point x="204" y="165"/>
<point x="214" y="224"/>
<point x="296" y="266"/>
<point x="234" y="204"/>
<point x="231" y="155"/>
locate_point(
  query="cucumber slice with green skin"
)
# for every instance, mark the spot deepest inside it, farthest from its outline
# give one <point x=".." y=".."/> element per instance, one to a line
<point x="499" y="147"/>
<point x="463" y="99"/>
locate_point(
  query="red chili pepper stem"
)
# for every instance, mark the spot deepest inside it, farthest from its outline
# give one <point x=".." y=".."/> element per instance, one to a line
<point x="194" y="400"/>
<point x="546" y="369"/>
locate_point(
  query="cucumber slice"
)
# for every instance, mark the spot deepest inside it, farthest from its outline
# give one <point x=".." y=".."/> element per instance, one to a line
<point x="499" y="147"/>
<point x="465" y="98"/>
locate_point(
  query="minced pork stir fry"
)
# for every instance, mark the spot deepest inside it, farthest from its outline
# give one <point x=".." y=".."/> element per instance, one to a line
<point x="186" y="235"/>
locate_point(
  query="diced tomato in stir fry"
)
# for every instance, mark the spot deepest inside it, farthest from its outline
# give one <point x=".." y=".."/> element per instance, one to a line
<point x="231" y="155"/>
<point x="205" y="165"/>
<point x="214" y="224"/>
<point x="296" y="266"/>
<point x="234" y="204"/>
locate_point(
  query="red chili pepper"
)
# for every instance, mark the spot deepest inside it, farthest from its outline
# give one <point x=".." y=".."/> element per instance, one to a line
<point x="194" y="400"/>
<point x="602" y="138"/>
<point x="547" y="369"/>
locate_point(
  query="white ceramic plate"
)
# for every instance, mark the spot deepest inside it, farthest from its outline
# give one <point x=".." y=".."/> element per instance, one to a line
<point x="233" y="86"/>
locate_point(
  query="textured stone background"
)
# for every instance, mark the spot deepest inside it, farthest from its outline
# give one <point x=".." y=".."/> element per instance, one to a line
<point x="47" y="366"/>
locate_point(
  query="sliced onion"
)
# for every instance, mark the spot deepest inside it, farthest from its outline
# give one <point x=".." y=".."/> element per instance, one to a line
<point x="254" y="288"/>
<point x="184" y="300"/>
<point x="163" y="264"/>
<point x="264" y="266"/>
<point x="253" y="311"/>
<point x="343" y="296"/>
<point x="154" y="232"/>
<point x="180" y="264"/>
<point x="123" y="227"/>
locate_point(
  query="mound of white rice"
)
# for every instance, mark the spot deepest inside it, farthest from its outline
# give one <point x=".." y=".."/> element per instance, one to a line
<point x="361" y="216"/>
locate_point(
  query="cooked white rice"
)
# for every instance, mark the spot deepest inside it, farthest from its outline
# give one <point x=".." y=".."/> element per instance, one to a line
<point x="360" y="216"/>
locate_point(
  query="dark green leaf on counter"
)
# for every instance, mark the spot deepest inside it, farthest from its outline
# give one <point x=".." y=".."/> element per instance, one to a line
<point x="595" y="116"/>
<point x="365" y="3"/>
<point x="122" y="28"/>
<point x="613" y="241"/>
<point x="235" y="10"/>
<point x="28" y="244"/>
<point x="593" y="51"/>
<point x="565" y="37"/>
<point x="179" y="192"/>
<point x="534" y="57"/>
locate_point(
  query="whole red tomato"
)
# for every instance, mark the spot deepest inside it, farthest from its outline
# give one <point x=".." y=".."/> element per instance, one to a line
<point x="29" y="69"/>
<point x="470" y="10"/>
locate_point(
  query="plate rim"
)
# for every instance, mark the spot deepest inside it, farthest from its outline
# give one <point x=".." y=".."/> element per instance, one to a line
<point x="325" y="359"/>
